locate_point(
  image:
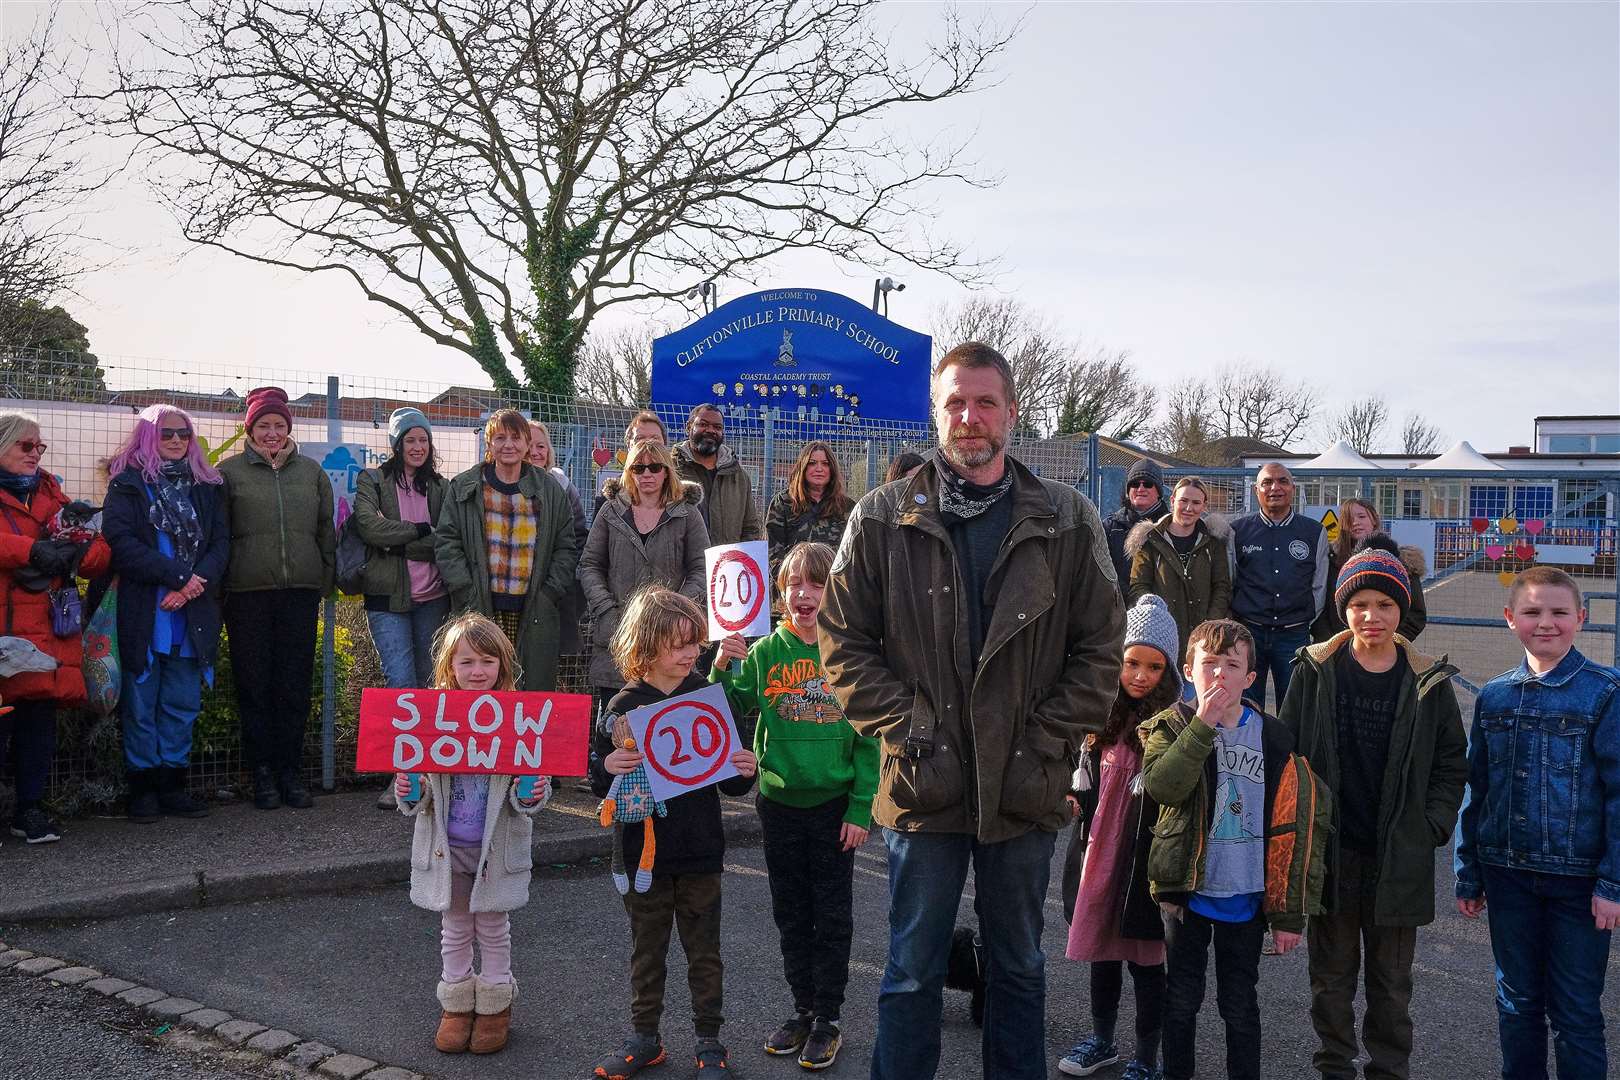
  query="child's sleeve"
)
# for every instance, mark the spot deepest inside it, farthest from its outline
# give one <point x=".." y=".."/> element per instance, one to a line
<point x="601" y="779"/>
<point x="1606" y="748"/>
<point x="411" y="809"/>
<point x="864" y="788"/>
<point x="1466" y="856"/>
<point x="1171" y="767"/>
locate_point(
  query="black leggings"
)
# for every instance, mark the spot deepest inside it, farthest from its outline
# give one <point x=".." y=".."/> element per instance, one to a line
<point x="1107" y="980"/>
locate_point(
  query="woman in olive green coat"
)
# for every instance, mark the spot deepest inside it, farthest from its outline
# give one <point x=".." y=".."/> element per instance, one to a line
<point x="283" y="557"/>
<point x="1182" y="558"/>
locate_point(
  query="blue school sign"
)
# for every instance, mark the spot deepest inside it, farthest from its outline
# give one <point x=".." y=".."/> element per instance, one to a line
<point x="812" y="355"/>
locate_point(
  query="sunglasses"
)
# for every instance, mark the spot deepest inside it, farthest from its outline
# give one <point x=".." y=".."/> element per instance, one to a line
<point x="654" y="467"/>
<point x="28" y="446"/>
<point x="174" y="433"/>
<point x="1140" y="484"/>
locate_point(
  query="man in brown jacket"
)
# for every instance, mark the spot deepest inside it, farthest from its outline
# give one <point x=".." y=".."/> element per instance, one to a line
<point x="972" y="623"/>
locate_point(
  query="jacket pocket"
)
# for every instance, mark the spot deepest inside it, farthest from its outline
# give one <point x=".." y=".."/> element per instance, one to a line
<point x="1031" y="786"/>
<point x="519" y="843"/>
<point x="422" y="841"/>
<point x="1168" y="856"/>
<point x="925" y="778"/>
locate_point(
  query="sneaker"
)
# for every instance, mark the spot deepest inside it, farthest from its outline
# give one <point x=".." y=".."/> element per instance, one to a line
<point x="790" y="1036"/>
<point x="821" y="1048"/>
<point x="1138" y="1071"/>
<point x="710" y="1053"/>
<point x="638" y="1052"/>
<point x="1088" y="1055"/>
<point x="34" y="827"/>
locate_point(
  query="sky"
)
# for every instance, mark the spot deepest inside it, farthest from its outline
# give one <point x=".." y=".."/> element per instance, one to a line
<point x="1419" y="200"/>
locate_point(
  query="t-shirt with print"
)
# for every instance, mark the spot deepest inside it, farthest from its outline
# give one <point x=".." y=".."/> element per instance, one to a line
<point x="1235" y="860"/>
<point x="464" y="820"/>
<point x="1365" y="712"/>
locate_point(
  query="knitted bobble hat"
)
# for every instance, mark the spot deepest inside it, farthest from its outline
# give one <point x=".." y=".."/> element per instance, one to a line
<point x="266" y="401"/>
<point x="1149" y="622"/>
<point x="1376" y="564"/>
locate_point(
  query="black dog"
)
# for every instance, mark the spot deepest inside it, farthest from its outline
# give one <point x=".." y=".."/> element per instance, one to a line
<point x="965" y="968"/>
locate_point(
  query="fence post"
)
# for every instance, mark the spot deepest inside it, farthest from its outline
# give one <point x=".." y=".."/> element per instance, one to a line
<point x="1093" y="473"/>
<point x="767" y="474"/>
<point x="871" y="464"/>
<point x="334" y="435"/>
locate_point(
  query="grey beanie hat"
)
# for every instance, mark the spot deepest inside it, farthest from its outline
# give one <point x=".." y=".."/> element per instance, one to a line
<point x="1146" y="469"/>
<point x="1149" y="622"/>
<point x="402" y="420"/>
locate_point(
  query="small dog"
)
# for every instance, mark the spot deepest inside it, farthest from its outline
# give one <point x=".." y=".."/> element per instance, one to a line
<point x="964" y="970"/>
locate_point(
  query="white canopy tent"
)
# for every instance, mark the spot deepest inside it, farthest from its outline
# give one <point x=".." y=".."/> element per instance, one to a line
<point x="1461" y="458"/>
<point x="1341" y="455"/>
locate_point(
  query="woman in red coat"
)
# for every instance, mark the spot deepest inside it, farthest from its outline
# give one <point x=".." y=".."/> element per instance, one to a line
<point x="29" y="498"/>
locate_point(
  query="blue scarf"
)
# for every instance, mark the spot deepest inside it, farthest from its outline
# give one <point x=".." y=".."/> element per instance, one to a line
<point x="22" y="485"/>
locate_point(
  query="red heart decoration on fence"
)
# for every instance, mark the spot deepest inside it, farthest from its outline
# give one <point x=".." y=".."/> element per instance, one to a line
<point x="601" y="455"/>
<point x="1480" y="524"/>
<point x="1494" y="551"/>
<point x="1525" y="552"/>
<point x="1534" y="527"/>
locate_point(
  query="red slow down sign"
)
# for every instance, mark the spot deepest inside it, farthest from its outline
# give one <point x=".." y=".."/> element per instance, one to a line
<point x="513" y="733"/>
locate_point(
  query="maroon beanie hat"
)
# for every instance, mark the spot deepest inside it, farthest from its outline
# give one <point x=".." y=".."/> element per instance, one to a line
<point x="267" y="401"/>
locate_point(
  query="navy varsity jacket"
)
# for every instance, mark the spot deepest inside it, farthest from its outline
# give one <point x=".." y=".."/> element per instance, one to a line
<point x="1279" y="571"/>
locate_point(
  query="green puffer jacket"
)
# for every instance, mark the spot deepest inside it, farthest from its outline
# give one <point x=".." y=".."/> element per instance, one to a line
<point x="1423" y="783"/>
<point x="393" y="542"/>
<point x="281" y="524"/>
<point x="1178" y="772"/>
<point x="462" y="553"/>
<point x="1195" y="591"/>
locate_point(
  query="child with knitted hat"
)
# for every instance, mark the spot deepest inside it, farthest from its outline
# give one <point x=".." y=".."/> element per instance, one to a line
<point x="1379" y="721"/>
<point x="1114" y="922"/>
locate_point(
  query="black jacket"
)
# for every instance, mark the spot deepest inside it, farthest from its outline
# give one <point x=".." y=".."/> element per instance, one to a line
<point x="1139" y="913"/>
<point x="691" y="839"/>
<point x="1118" y="525"/>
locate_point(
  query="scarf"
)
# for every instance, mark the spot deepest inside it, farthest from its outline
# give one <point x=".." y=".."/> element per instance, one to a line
<point x="21" y="485"/>
<point x="962" y="499"/>
<point x="280" y="457"/>
<point x="172" y="512"/>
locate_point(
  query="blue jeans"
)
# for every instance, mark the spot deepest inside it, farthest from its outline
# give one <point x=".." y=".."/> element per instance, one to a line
<point x="1274" y="651"/>
<point x="159" y="712"/>
<point x="926" y="875"/>
<point x="404" y="642"/>
<point x="1550" y="963"/>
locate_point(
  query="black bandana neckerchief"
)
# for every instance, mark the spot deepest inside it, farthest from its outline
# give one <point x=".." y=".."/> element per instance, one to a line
<point x="962" y="499"/>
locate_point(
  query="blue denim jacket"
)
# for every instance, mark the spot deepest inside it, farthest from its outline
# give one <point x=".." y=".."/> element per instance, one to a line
<point x="1544" y="776"/>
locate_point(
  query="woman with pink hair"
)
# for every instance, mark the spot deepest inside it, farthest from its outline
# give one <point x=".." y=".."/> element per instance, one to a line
<point x="165" y="521"/>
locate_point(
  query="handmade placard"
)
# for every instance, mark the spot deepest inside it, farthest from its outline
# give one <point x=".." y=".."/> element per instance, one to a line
<point x="687" y="741"/>
<point x="512" y="733"/>
<point x="739" y="588"/>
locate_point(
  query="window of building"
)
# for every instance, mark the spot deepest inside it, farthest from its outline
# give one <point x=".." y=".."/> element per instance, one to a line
<point x="1411" y="502"/>
<point x="1445" y="499"/>
<point x="1569" y="444"/>
<point x="1582" y="500"/>
<point x="1487" y="500"/>
<point x="1606" y="444"/>
<point x="1532" y="501"/>
<point x="1384" y="498"/>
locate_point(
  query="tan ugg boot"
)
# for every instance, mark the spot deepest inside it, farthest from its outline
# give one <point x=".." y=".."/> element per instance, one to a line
<point x="456" y="1023"/>
<point x="494" y="1019"/>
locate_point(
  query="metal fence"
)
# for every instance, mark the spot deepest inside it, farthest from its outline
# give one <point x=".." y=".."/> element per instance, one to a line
<point x="85" y="413"/>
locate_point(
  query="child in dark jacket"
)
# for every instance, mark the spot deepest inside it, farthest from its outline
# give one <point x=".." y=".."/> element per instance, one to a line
<point x="1113" y="919"/>
<point x="656" y="647"/>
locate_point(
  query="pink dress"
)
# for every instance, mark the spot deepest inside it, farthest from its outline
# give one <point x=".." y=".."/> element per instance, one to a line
<point x="1094" y="933"/>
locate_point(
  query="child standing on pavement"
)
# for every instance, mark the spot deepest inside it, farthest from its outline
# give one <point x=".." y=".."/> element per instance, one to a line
<point x="816" y="783"/>
<point x="1113" y="919"/>
<point x="1539" y="837"/>
<point x="1239" y="844"/>
<point x="460" y="821"/>
<point x="656" y="647"/>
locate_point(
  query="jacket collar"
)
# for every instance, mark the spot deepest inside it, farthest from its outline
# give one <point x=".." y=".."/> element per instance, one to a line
<point x="1284" y="523"/>
<point x="470" y="483"/>
<point x="1429" y="670"/>
<point x="724" y="461"/>
<point x="919" y="501"/>
<point x="1566" y="670"/>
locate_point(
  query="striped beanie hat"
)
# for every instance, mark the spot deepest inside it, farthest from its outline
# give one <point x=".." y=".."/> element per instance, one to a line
<point x="1376" y="564"/>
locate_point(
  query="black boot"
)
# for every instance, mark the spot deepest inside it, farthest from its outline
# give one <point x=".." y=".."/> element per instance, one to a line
<point x="173" y="796"/>
<point x="143" y="796"/>
<point x="293" y="792"/>
<point x="265" y="795"/>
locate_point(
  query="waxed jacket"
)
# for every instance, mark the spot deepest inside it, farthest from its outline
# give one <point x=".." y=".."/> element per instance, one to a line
<point x="393" y="542"/>
<point x="1178" y="770"/>
<point x="617" y="561"/>
<point x="144" y="572"/>
<point x="505" y="854"/>
<point x="983" y="746"/>
<point x="462" y="552"/>
<point x="281" y="523"/>
<point x="1423" y="782"/>
<point x="1194" y="591"/>
<point x="730" y="516"/>
<point x="1544" y="777"/>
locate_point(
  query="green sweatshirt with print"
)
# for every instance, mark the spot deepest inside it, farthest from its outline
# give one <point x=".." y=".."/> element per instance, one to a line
<point x="808" y="754"/>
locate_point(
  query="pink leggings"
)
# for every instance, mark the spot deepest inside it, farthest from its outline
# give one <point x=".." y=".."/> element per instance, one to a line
<point x="460" y="927"/>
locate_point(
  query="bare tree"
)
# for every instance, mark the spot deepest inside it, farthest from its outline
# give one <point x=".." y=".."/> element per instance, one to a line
<point x="616" y="367"/>
<point x="1028" y="339"/>
<point x="1359" y="423"/>
<point x="497" y="172"/>
<point x="1186" y="427"/>
<point x="1419" y="437"/>
<point x="1103" y="391"/>
<point x="1258" y="403"/>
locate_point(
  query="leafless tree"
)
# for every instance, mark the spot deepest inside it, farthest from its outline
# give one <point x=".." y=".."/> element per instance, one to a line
<point x="1186" y="427"/>
<point x="1419" y="437"/>
<point x="1359" y="423"/>
<point x="1028" y="339"/>
<point x="1259" y="403"/>
<point x="497" y="172"/>
<point x="1102" y="393"/>
<point x="615" y="367"/>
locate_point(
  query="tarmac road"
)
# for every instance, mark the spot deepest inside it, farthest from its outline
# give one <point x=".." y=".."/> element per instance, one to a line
<point x="357" y="971"/>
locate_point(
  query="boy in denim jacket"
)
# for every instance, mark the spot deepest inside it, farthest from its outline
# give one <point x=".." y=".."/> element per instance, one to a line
<point x="1539" y="836"/>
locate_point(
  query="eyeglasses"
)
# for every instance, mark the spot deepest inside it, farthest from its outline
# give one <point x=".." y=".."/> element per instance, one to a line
<point x="174" y="433"/>
<point x="654" y="467"/>
<point x="28" y="446"/>
<point x="1141" y="484"/>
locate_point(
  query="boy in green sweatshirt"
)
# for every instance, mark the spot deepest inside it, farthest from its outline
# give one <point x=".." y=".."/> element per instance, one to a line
<point x="816" y="783"/>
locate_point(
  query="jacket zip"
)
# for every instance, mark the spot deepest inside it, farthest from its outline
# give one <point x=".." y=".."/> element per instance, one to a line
<point x="1301" y="777"/>
<point x="281" y="521"/>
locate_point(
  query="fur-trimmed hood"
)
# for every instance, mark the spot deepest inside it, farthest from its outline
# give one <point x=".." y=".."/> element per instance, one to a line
<point x="1218" y="526"/>
<point x="691" y="493"/>
<point x="1429" y="670"/>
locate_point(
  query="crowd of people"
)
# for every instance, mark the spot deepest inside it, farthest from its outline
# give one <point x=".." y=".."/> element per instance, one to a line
<point x="969" y="659"/>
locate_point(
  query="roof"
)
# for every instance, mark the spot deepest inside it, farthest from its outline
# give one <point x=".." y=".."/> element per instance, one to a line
<point x="1230" y="450"/>
<point x="1582" y="416"/>
<point x="1461" y="457"/>
<point x="1341" y="455"/>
